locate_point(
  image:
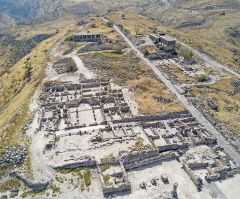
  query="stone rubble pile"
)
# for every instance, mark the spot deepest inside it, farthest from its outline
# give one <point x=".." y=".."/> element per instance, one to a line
<point x="12" y="156"/>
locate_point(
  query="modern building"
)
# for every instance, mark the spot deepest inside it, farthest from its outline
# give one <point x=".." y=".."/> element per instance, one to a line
<point x="163" y="40"/>
<point x="155" y="38"/>
<point x="167" y="42"/>
<point x="87" y="37"/>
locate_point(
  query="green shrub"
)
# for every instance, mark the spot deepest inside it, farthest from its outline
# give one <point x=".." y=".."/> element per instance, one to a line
<point x="87" y="176"/>
<point x="202" y="78"/>
<point x="187" y="54"/>
<point x="110" y="23"/>
<point x="146" y="52"/>
<point x="10" y="184"/>
<point x="93" y="25"/>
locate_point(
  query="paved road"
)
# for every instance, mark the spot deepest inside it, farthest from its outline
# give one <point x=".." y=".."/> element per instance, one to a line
<point x="195" y="112"/>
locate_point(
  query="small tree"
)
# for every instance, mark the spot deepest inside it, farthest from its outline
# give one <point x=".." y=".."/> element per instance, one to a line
<point x="118" y="50"/>
<point x="202" y="78"/>
<point x="110" y="23"/>
<point x="69" y="38"/>
<point x="93" y="25"/>
<point x="146" y="52"/>
<point x="187" y="54"/>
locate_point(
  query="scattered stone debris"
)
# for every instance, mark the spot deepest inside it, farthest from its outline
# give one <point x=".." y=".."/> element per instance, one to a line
<point x="234" y="31"/>
<point x="154" y="182"/>
<point x="236" y="84"/>
<point x="94" y="103"/>
<point x="164" y="178"/>
<point x="142" y="185"/>
<point x="14" y="193"/>
<point x="91" y="124"/>
<point x="113" y="178"/>
<point x="212" y="103"/>
<point x="174" y="191"/>
<point x="234" y="139"/>
<point x="162" y="99"/>
<point x="12" y="156"/>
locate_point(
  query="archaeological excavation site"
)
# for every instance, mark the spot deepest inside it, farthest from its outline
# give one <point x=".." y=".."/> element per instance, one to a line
<point x="117" y="116"/>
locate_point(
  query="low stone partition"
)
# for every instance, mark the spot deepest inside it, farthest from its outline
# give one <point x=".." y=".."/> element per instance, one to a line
<point x="196" y="165"/>
<point x="121" y="188"/>
<point x="151" y="118"/>
<point x="225" y="173"/>
<point x="196" y="180"/>
<point x="120" y="181"/>
<point x="172" y="147"/>
<point x="139" y="159"/>
<point x="31" y="184"/>
<point x="87" y="162"/>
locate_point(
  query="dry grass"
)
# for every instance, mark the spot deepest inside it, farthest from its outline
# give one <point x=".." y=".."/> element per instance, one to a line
<point x="219" y="91"/>
<point x="179" y="75"/>
<point x="15" y="91"/>
<point x="135" y="24"/>
<point x="49" y="27"/>
<point x="136" y="75"/>
<point x="97" y="25"/>
<point x="219" y="42"/>
<point x="145" y="89"/>
<point x="214" y="43"/>
<point x="9" y="185"/>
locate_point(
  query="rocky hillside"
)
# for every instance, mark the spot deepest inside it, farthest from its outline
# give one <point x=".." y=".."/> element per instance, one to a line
<point x="27" y="10"/>
<point x="179" y="13"/>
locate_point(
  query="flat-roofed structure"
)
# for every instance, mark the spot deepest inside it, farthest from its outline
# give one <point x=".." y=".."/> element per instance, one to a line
<point x="164" y="40"/>
<point x="87" y="37"/>
<point x="155" y="38"/>
<point x="168" y="42"/>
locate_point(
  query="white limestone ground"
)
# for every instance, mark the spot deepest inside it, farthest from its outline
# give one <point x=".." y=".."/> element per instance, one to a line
<point x="40" y="171"/>
<point x="75" y="146"/>
<point x="230" y="187"/>
<point x="175" y="175"/>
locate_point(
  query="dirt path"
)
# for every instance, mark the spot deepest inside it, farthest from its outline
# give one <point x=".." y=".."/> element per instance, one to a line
<point x="74" y="55"/>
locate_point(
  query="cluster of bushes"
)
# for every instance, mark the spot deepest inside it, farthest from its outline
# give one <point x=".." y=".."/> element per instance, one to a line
<point x="186" y="54"/>
<point x="65" y="65"/>
<point x="202" y="78"/>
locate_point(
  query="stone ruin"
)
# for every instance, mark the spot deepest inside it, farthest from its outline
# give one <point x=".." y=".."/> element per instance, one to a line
<point x="212" y="104"/>
<point x="113" y="178"/>
<point x="97" y="120"/>
<point x="78" y="105"/>
<point x="12" y="156"/>
<point x="217" y="164"/>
